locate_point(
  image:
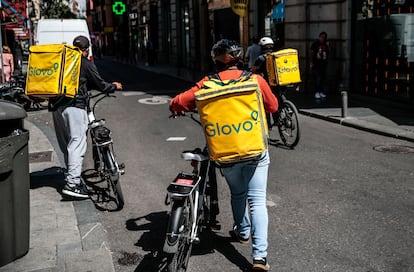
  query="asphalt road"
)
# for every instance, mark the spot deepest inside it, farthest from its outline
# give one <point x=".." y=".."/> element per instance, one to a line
<point x="334" y="203"/>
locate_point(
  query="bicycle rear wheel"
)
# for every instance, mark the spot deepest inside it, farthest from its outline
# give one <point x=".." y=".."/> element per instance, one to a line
<point x="178" y="245"/>
<point x="288" y="124"/>
<point x="114" y="184"/>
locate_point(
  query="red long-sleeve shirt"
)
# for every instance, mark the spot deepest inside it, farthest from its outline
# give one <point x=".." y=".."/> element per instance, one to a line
<point x="186" y="101"/>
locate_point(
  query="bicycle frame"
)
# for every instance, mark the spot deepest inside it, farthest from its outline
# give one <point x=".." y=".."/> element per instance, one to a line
<point x="195" y="193"/>
<point x="103" y="154"/>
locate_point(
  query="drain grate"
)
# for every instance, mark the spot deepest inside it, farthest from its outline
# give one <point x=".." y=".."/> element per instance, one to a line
<point x="396" y="149"/>
<point x="44" y="156"/>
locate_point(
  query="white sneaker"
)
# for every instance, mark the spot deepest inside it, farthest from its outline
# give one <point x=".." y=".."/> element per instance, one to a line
<point x="317" y="95"/>
<point x="322" y="95"/>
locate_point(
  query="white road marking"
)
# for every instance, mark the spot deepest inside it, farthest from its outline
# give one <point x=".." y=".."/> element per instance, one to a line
<point x="175" y="139"/>
<point x="132" y="93"/>
<point x="155" y="100"/>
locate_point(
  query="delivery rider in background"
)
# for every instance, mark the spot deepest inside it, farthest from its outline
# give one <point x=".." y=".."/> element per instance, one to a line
<point x="247" y="179"/>
<point x="71" y="120"/>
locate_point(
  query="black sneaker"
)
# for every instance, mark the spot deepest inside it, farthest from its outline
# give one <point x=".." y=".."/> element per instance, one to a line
<point x="236" y="237"/>
<point x="260" y="264"/>
<point x="78" y="190"/>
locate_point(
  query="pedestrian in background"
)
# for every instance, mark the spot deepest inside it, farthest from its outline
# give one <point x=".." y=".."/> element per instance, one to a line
<point x="319" y="54"/>
<point x="252" y="52"/>
<point x="266" y="46"/>
<point x="8" y="63"/>
<point x="71" y="120"/>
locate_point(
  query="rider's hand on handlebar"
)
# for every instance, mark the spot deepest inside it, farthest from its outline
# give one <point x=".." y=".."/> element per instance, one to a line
<point x="118" y="85"/>
<point x="176" y="114"/>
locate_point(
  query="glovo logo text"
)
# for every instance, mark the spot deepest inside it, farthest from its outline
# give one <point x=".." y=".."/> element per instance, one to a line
<point x="35" y="72"/>
<point x="218" y="129"/>
<point x="74" y="69"/>
<point x="282" y="70"/>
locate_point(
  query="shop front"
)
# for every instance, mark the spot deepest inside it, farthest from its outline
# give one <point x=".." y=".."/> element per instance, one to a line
<point x="383" y="49"/>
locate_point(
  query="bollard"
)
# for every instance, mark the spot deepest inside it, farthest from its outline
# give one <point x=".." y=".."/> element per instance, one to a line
<point x="344" y="96"/>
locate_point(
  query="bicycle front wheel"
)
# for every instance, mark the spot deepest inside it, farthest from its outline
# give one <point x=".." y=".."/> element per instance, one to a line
<point x="288" y="124"/>
<point x="113" y="180"/>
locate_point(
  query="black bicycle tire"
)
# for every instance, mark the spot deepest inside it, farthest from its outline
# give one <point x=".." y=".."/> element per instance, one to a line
<point x="178" y="260"/>
<point x="114" y="177"/>
<point x="289" y="104"/>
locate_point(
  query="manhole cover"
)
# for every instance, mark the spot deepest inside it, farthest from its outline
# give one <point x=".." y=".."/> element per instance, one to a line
<point x="397" y="149"/>
<point x="44" y="156"/>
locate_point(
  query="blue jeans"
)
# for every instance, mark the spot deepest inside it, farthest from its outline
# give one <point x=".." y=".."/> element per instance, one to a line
<point x="248" y="182"/>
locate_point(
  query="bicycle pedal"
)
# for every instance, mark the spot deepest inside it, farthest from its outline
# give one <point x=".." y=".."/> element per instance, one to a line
<point x="214" y="227"/>
<point x="121" y="171"/>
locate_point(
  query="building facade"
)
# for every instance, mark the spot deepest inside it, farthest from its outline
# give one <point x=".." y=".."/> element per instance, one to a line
<point x="181" y="33"/>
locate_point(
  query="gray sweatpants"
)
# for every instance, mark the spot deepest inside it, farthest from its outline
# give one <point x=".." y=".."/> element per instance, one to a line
<point x="71" y="126"/>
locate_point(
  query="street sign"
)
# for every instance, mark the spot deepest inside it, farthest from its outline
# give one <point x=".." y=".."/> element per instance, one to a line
<point x="118" y="8"/>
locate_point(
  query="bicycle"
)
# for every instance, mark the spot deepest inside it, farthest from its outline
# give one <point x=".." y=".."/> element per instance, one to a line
<point x="286" y="118"/>
<point x="193" y="201"/>
<point x="105" y="163"/>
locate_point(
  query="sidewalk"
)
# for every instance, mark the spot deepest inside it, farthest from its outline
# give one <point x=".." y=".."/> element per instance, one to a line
<point x="371" y="114"/>
<point x="64" y="235"/>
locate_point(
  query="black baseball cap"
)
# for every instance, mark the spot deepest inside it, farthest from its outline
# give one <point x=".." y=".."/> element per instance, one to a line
<point x="82" y="42"/>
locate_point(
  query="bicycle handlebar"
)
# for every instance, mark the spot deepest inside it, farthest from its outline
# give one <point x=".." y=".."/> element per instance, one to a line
<point x="103" y="94"/>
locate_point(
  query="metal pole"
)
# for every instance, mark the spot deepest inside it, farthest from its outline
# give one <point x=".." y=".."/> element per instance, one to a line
<point x="344" y="95"/>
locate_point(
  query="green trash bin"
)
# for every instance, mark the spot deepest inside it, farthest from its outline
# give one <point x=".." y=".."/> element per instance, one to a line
<point x="14" y="183"/>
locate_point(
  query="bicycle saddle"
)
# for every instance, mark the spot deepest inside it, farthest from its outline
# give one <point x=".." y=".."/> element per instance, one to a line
<point x="194" y="155"/>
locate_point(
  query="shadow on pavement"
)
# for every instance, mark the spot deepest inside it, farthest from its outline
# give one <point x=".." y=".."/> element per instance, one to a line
<point x="211" y="241"/>
<point x="49" y="177"/>
<point x="152" y="240"/>
<point x="98" y="191"/>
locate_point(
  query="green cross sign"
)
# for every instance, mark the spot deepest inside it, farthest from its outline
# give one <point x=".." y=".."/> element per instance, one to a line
<point x="118" y="7"/>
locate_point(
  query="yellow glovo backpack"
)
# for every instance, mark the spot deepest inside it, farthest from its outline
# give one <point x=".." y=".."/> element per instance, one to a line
<point x="283" y="67"/>
<point x="233" y="118"/>
<point x="53" y="71"/>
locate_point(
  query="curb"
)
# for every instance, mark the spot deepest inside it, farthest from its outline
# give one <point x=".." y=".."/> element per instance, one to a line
<point x="364" y="125"/>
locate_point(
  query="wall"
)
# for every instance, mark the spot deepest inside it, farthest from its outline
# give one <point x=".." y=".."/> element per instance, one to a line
<point x="305" y="19"/>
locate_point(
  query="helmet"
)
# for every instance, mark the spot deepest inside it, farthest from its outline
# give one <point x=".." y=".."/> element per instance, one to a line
<point x="226" y="51"/>
<point x="266" y="43"/>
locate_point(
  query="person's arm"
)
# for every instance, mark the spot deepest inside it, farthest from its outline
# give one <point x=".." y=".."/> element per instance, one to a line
<point x="247" y="55"/>
<point x="98" y="83"/>
<point x="269" y="99"/>
<point x="186" y="101"/>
